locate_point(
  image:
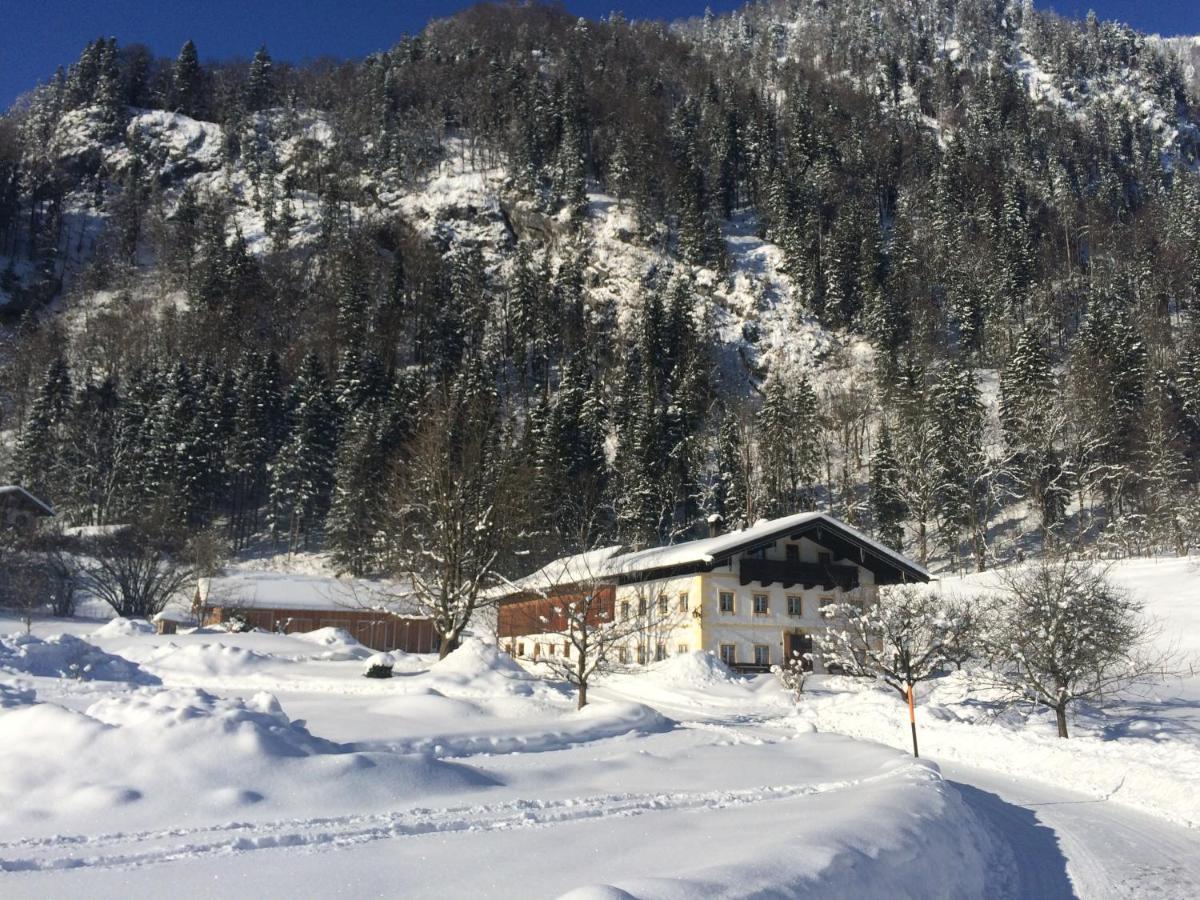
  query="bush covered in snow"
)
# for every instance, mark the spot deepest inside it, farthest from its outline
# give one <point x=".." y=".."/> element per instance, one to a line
<point x="696" y="669"/>
<point x="66" y="656"/>
<point x="339" y="644"/>
<point x="380" y="665"/>
<point x="476" y="662"/>
<point x="122" y="627"/>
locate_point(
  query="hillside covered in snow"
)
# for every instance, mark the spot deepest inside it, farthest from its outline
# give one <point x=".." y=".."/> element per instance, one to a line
<point x="929" y="266"/>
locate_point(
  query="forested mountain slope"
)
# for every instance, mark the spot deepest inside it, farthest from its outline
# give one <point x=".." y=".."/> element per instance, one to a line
<point x="928" y="265"/>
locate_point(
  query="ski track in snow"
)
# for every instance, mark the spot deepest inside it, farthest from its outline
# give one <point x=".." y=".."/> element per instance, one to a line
<point x="72" y="851"/>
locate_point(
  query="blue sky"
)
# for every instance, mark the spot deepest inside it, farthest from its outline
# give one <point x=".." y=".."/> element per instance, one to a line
<point x="38" y="35"/>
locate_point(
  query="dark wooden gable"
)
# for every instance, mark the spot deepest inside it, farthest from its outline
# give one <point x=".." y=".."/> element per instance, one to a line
<point x="825" y="532"/>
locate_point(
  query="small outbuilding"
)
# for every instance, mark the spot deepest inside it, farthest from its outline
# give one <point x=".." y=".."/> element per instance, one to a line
<point x="375" y="613"/>
<point x="19" y="508"/>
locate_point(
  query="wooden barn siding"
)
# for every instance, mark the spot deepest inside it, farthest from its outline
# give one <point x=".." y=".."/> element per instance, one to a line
<point x="519" y="617"/>
<point x="379" y="631"/>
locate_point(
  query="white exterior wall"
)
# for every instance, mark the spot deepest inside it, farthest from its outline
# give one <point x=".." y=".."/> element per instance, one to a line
<point x="744" y="628"/>
<point x="711" y="628"/>
<point x="678" y="630"/>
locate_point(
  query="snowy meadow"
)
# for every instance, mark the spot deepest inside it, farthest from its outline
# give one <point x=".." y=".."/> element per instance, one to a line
<point x="265" y="764"/>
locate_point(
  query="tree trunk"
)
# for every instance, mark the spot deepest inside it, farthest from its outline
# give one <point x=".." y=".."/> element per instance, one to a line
<point x="1060" y="713"/>
<point x="448" y="645"/>
<point x="581" y="674"/>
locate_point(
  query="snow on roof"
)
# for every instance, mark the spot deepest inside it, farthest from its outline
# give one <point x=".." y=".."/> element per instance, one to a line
<point x="706" y="550"/>
<point x="609" y="563"/>
<point x="276" y="590"/>
<point x="17" y="489"/>
<point x="575" y="569"/>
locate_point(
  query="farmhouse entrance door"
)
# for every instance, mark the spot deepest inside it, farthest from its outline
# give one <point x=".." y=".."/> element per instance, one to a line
<point x="798" y="644"/>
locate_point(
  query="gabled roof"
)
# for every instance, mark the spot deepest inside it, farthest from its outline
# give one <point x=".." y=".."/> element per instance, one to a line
<point x="709" y="551"/>
<point x="16" y="489"/>
<point x="704" y="554"/>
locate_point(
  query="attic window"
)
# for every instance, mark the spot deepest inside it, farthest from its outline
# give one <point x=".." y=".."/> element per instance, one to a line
<point x="825" y="559"/>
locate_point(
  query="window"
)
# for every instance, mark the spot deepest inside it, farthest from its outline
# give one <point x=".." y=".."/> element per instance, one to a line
<point x="682" y="648"/>
<point x="683" y="602"/>
<point x="728" y="654"/>
<point x="624" y="609"/>
<point x="660" y="652"/>
<point x="566" y="651"/>
<point x="508" y="648"/>
<point x="795" y="606"/>
<point x="662" y="604"/>
<point x="793" y="552"/>
<point x="858" y="606"/>
<point x="762" y="604"/>
<point x="537" y="650"/>
<point x="825" y="559"/>
<point x="622" y="655"/>
<point x="824" y="603"/>
<point x="762" y="654"/>
<point x="725" y="599"/>
<point x="641" y="655"/>
<point x="521" y="649"/>
<point x="641" y="606"/>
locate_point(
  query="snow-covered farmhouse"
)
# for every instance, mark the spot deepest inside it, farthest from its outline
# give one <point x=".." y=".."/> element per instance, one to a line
<point x="286" y="603"/>
<point x="752" y="597"/>
<point x="19" y="508"/>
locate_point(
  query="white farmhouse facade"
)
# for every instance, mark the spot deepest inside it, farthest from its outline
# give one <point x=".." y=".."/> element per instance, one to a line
<point x="751" y="597"/>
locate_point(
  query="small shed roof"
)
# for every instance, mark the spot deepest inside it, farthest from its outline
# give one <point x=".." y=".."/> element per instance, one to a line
<point x="15" y="490"/>
<point x="278" y="590"/>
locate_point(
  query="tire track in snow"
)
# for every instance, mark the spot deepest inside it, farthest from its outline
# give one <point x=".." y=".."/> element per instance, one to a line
<point x="78" y="851"/>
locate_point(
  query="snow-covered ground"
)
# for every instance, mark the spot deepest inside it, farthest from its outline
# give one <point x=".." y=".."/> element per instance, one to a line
<point x="267" y="765"/>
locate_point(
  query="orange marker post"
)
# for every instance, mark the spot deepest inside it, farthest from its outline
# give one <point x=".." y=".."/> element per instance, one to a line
<point x="912" y="719"/>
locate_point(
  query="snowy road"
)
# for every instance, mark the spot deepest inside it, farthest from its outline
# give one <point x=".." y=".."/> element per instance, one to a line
<point x="1067" y="844"/>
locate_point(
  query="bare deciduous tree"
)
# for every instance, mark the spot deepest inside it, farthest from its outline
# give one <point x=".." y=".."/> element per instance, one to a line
<point x="574" y="613"/>
<point x="1062" y="631"/>
<point x="900" y="639"/>
<point x="961" y="622"/>
<point x="135" y="570"/>
<point x="456" y="503"/>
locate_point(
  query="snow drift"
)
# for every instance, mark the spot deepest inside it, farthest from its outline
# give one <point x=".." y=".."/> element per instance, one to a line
<point x="174" y="755"/>
<point x="66" y="656"/>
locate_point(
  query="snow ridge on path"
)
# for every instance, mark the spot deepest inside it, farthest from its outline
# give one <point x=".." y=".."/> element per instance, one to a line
<point x="332" y="832"/>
